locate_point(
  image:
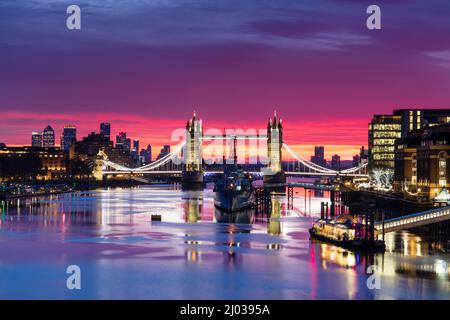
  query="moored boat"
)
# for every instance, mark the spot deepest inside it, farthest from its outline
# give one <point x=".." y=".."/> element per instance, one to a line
<point x="234" y="191"/>
<point x="347" y="232"/>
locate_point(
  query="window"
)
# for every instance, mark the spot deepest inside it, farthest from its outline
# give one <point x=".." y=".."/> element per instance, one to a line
<point x="442" y="169"/>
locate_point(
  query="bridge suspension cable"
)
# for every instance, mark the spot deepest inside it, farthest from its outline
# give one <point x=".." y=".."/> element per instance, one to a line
<point x="307" y="163"/>
<point x="318" y="168"/>
<point x="150" y="166"/>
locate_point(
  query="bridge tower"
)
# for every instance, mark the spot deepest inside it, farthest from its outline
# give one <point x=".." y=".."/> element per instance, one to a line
<point x="97" y="172"/>
<point x="274" y="173"/>
<point x="192" y="174"/>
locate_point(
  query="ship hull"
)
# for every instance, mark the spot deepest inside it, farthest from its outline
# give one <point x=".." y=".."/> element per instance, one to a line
<point x="234" y="201"/>
<point x="239" y="217"/>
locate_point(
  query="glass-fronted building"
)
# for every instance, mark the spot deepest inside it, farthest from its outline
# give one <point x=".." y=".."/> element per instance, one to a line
<point x="383" y="131"/>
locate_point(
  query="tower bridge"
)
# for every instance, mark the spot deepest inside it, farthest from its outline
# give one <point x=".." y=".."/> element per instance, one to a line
<point x="186" y="159"/>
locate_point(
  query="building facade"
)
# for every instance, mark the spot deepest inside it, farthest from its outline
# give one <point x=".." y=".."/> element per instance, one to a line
<point x="414" y="119"/>
<point x="319" y="156"/>
<point x="422" y="162"/>
<point x="36" y="139"/>
<point x="27" y="163"/>
<point x="68" y="137"/>
<point x="146" y="154"/>
<point x="123" y="142"/>
<point x="405" y="169"/>
<point x="105" y="129"/>
<point x="165" y="150"/>
<point x="48" y="137"/>
<point x="336" y="162"/>
<point x="433" y="166"/>
<point x="383" y="131"/>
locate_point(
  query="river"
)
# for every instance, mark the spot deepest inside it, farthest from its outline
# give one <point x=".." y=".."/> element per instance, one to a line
<point x="122" y="254"/>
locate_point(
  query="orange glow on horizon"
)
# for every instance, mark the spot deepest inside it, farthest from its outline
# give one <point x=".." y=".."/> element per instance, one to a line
<point x="338" y="136"/>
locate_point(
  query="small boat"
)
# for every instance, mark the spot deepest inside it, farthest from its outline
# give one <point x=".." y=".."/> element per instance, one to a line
<point x="345" y="231"/>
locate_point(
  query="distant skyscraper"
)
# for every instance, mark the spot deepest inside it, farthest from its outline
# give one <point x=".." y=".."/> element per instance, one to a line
<point x="135" y="151"/>
<point x="36" y="139"/>
<point x="105" y="129"/>
<point x="136" y="145"/>
<point x="164" y="151"/>
<point x="48" y="137"/>
<point x="147" y="154"/>
<point x="123" y="142"/>
<point x="336" y="162"/>
<point x="319" y="156"/>
<point x="68" y="137"/>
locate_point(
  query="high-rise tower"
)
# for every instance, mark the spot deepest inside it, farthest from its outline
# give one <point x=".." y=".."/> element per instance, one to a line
<point x="48" y="137"/>
<point x="105" y="129"/>
<point x="68" y="137"/>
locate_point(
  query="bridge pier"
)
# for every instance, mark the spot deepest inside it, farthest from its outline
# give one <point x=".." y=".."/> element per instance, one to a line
<point x="192" y="180"/>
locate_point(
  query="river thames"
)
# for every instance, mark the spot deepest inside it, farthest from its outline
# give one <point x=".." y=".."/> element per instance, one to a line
<point x="122" y="254"/>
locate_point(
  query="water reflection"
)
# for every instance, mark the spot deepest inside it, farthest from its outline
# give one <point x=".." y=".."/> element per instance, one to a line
<point x="193" y="240"/>
<point x="274" y="223"/>
<point x="192" y="204"/>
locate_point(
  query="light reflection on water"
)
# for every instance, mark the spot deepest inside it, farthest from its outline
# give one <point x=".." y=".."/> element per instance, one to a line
<point x="123" y="254"/>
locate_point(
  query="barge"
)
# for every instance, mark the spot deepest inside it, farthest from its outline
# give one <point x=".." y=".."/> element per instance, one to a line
<point x="347" y="232"/>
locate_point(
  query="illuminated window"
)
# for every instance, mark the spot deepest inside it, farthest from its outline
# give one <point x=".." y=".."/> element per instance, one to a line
<point x="442" y="169"/>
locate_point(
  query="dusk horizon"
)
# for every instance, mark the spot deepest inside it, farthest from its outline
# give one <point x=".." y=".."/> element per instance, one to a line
<point x="137" y="66"/>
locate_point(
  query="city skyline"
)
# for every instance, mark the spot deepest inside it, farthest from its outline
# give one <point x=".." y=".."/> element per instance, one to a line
<point x="255" y="56"/>
<point x="308" y="149"/>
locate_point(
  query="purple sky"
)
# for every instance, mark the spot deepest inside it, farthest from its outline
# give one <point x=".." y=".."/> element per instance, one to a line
<point x="145" y="65"/>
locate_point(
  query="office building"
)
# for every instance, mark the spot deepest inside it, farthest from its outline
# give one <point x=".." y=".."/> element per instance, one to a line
<point x="383" y="131"/>
<point x="422" y="164"/>
<point x="48" y="137"/>
<point x="105" y="129"/>
<point x="164" y="151"/>
<point x="414" y="119"/>
<point x="123" y="142"/>
<point x="146" y="154"/>
<point x="36" y="139"/>
<point x="319" y="156"/>
<point x="135" y="151"/>
<point x="336" y="162"/>
<point x="68" y="137"/>
<point x="91" y="144"/>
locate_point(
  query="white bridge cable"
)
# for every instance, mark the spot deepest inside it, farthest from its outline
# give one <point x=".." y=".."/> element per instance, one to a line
<point x="354" y="169"/>
<point x="321" y="169"/>
<point x="307" y="163"/>
<point x="150" y="166"/>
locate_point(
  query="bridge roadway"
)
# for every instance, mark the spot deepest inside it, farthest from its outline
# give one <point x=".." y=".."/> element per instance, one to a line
<point x="115" y="172"/>
<point x="415" y="220"/>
